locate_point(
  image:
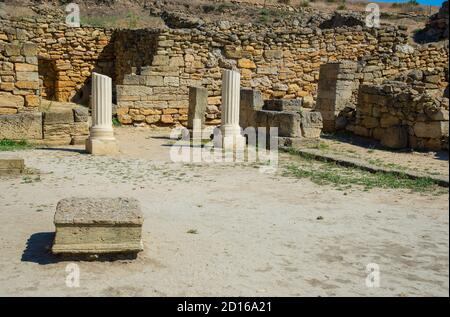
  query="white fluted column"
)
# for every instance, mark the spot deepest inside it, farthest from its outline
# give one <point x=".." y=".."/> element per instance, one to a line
<point x="231" y="131"/>
<point x="101" y="139"/>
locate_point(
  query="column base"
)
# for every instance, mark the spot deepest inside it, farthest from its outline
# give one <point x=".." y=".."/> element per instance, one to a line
<point x="101" y="146"/>
<point x="233" y="143"/>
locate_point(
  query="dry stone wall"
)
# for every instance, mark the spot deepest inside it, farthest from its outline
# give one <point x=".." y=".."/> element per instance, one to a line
<point x="66" y="56"/>
<point x="154" y="68"/>
<point x="19" y="79"/>
<point x="281" y="63"/>
<point x="401" y="115"/>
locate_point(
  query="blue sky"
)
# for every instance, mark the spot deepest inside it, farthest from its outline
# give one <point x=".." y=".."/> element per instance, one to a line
<point x="432" y="2"/>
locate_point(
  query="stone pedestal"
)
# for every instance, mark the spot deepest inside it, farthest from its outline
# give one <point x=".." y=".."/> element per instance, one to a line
<point x="198" y="100"/>
<point x="251" y="101"/>
<point x="101" y="139"/>
<point x="11" y="165"/>
<point x="232" y="138"/>
<point x="98" y="226"/>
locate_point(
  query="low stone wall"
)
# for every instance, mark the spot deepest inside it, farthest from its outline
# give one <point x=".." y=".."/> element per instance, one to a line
<point x="19" y="79"/>
<point x="60" y="124"/>
<point x="154" y="68"/>
<point x="66" y="55"/>
<point x="401" y="115"/>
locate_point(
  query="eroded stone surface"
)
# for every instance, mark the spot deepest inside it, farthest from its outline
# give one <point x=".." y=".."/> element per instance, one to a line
<point x="109" y="211"/>
<point x="98" y="225"/>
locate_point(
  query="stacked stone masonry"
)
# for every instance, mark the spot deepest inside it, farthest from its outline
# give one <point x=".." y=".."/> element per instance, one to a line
<point x="19" y="80"/>
<point x="400" y="116"/>
<point x="154" y="68"/>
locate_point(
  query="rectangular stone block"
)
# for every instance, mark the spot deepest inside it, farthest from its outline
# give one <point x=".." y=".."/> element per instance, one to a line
<point x="198" y="100"/>
<point x="21" y="126"/>
<point x="288" y="123"/>
<point x="251" y="100"/>
<point x="283" y="104"/>
<point x="311" y="124"/>
<point x="98" y="226"/>
<point x="59" y="116"/>
<point x="11" y="165"/>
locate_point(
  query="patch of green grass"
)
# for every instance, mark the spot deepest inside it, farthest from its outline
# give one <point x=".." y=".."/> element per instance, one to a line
<point x="342" y="177"/>
<point x="267" y="15"/>
<point x="99" y="21"/>
<point x="10" y="145"/>
<point x="116" y="122"/>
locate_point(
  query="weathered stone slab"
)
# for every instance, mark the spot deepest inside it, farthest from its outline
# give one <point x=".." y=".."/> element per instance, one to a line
<point x="198" y="100"/>
<point x="251" y="100"/>
<point x="98" y="225"/>
<point x="394" y="137"/>
<point x="11" y="165"/>
<point x="21" y="126"/>
<point x="288" y="123"/>
<point x="311" y="124"/>
<point x="59" y="116"/>
<point x="283" y="104"/>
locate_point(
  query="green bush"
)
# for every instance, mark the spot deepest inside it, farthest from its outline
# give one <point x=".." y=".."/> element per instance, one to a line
<point x="304" y="4"/>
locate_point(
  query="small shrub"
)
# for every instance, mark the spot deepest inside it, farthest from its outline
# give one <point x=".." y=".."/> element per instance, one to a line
<point x="116" y="122"/>
<point x="207" y="8"/>
<point x="304" y="4"/>
<point x="132" y="20"/>
<point x="287" y="2"/>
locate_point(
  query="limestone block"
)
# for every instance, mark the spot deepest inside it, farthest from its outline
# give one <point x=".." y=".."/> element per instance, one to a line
<point x="7" y="111"/>
<point x="198" y="100"/>
<point x="12" y="50"/>
<point x="283" y="104"/>
<point x="160" y="60"/>
<point x="22" y="67"/>
<point x="21" y="126"/>
<point x="29" y="49"/>
<point x="80" y="114"/>
<point x="102" y="146"/>
<point x="246" y="63"/>
<point x="251" y="100"/>
<point x="434" y="130"/>
<point x="11" y="101"/>
<point x="311" y="124"/>
<point x="154" y="81"/>
<point x="388" y="120"/>
<point x="11" y="165"/>
<point x="395" y="137"/>
<point x="58" y="116"/>
<point x="98" y="225"/>
<point x="32" y="101"/>
<point x="288" y="123"/>
<point x="27" y="76"/>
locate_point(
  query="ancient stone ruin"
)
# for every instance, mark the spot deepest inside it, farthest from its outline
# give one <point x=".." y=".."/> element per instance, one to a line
<point x="47" y="66"/>
<point x="96" y="226"/>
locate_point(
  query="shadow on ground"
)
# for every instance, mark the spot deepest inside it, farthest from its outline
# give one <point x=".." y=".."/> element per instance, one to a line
<point x="38" y="250"/>
<point x="80" y="151"/>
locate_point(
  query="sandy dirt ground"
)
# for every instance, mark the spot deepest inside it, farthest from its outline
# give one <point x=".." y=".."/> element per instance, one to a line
<point x="257" y="234"/>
